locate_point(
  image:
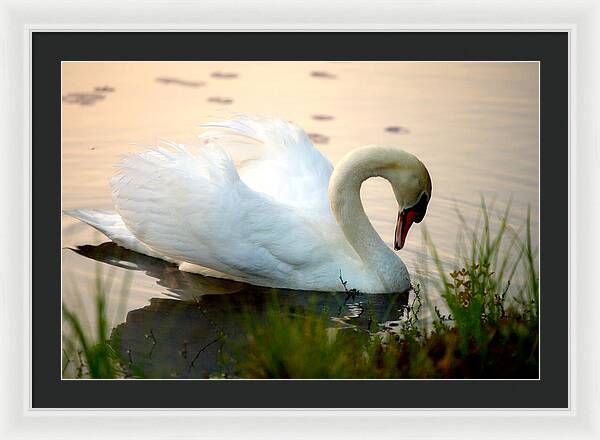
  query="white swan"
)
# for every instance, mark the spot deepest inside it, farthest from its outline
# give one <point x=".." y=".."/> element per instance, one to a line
<point x="283" y="218"/>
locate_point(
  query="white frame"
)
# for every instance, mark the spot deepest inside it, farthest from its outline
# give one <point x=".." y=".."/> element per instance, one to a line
<point x="581" y="18"/>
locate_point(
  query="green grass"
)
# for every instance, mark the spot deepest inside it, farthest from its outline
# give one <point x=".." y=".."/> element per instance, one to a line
<point x="488" y="327"/>
<point x="89" y="355"/>
<point x="489" y="331"/>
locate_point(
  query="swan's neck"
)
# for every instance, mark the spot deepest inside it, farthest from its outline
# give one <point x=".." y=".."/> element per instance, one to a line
<point x="347" y="207"/>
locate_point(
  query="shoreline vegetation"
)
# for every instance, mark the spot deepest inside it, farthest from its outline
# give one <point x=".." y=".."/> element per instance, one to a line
<point x="489" y="328"/>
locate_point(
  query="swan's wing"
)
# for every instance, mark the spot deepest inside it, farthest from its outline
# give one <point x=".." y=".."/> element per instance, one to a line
<point x="275" y="157"/>
<point x="190" y="205"/>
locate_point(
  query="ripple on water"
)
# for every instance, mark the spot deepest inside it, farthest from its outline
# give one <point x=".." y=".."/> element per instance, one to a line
<point x="82" y="98"/>
<point x="397" y="129"/>
<point x="220" y="100"/>
<point x="321" y="117"/>
<point x="322" y="74"/>
<point x="180" y="82"/>
<point x="224" y="75"/>
<point x="104" y="89"/>
<point x="318" y="138"/>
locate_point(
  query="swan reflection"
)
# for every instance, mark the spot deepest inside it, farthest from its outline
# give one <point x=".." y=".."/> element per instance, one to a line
<point x="183" y="333"/>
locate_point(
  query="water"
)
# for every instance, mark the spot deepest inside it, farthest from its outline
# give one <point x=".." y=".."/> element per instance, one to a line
<point x="474" y="125"/>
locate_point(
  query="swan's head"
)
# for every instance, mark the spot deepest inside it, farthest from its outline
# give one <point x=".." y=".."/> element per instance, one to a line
<point x="407" y="216"/>
<point x="411" y="183"/>
<point x="408" y="176"/>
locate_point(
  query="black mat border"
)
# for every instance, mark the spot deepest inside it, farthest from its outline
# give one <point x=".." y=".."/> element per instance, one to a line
<point x="49" y="48"/>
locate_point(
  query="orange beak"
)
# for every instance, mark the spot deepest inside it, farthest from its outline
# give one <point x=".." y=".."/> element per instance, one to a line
<point x="405" y="220"/>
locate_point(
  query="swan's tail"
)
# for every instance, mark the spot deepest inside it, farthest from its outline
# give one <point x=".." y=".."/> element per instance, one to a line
<point x="111" y="225"/>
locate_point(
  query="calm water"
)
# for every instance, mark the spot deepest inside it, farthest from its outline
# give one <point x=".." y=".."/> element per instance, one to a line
<point x="475" y="126"/>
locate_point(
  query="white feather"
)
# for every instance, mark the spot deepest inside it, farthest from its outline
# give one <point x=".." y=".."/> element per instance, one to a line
<point x="279" y="159"/>
<point x="189" y="204"/>
<point x="267" y="222"/>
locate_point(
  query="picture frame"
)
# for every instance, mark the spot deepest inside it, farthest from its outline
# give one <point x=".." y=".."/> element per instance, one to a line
<point x="579" y="18"/>
<point x="55" y="52"/>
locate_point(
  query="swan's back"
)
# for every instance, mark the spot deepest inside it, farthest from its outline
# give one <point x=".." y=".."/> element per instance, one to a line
<point x="267" y="222"/>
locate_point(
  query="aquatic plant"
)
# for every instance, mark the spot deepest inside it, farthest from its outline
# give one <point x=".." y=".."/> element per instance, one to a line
<point x="489" y="331"/>
<point x="92" y="355"/>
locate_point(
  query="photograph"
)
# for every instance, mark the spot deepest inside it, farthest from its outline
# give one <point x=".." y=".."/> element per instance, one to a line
<point x="242" y="220"/>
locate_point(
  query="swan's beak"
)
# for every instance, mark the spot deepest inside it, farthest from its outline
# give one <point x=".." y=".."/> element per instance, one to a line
<point x="405" y="220"/>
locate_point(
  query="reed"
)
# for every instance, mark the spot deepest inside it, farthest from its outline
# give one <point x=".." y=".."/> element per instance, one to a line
<point x="89" y="354"/>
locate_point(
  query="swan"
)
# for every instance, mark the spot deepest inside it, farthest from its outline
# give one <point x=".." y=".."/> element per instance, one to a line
<point x="283" y="217"/>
